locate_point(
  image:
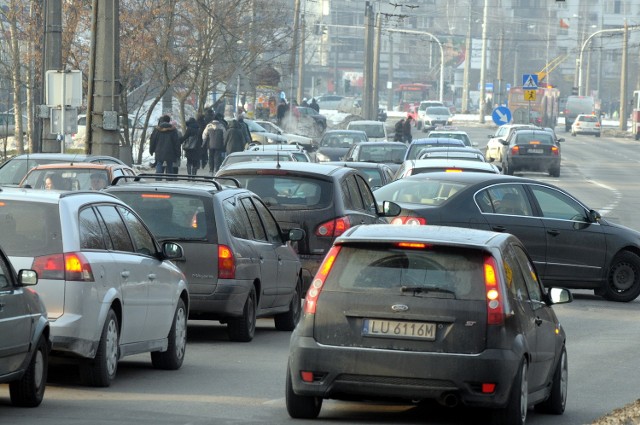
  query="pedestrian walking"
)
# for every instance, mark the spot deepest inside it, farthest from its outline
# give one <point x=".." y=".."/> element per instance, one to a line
<point x="246" y="133"/>
<point x="398" y="130"/>
<point x="192" y="146"/>
<point x="213" y="138"/>
<point x="234" y="139"/>
<point x="406" y="130"/>
<point x="165" y="145"/>
<point x="314" y="105"/>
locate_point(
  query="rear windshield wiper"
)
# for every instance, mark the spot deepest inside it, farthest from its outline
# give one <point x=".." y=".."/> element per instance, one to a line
<point x="426" y="289"/>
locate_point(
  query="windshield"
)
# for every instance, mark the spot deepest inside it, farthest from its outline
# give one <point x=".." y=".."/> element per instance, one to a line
<point x="288" y="192"/>
<point x="372" y="130"/>
<point x="459" y="136"/>
<point x="438" y="110"/>
<point x="424" y="192"/>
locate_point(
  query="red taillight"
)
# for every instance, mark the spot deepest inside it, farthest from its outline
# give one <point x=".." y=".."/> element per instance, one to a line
<point x="488" y="388"/>
<point x="555" y="150"/>
<point x="412" y="221"/>
<point x="515" y="150"/>
<point x="333" y="228"/>
<point x="226" y="263"/>
<point x="577" y="123"/>
<point x="72" y="266"/>
<point x="597" y="125"/>
<point x="318" y="281"/>
<point x="495" y="307"/>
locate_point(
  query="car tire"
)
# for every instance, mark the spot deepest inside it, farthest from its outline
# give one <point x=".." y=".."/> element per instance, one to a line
<point x="597" y="134"/>
<point x="554" y="172"/>
<point x="623" y="278"/>
<point x="174" y="356"/>
<point x="300" y="406"/>
<point x="28" y="391"/>
<point x="506" y="169"/>
<point x="101" y="371"/>
<point x="243" y="329"/>
<point x="557" y="400"/>
<point x="288" y="321"/>
<point x="515" y="412"/>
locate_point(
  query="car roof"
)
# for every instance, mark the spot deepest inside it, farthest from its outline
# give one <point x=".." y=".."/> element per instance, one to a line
<point x="181" y="183"/>
<point x="472" y="178"/>
<point x="297" y="167"/>
<point x="453" y="163"/>
<point x="358" y="164"/>
<point x="369" y="122"/>
<point x="258" y="153"/>
<point x="441" y="235"/>
<point x="330" y="132"/>
<point x="437" y="140"/>
<point x="381" y="143"/>
<point x="464" y="149"/>
<point x="47" y="196"/>
<point x="289" y="147"/>
<point x="71" y="157"/>
<point x="447" y="132"/>
<point x="77" y="165"/>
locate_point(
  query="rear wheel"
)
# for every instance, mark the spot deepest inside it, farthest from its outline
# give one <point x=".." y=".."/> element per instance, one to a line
<point x="557" y="400"/>
<point x="28" y="391"/>
<point x="300" y="406"/>
<point x="242" y="329"/>
<point x="515" y="412"/>
<point x="554" y="172"/>
<point x="623" y="281"/>
<point x="174" y="356"/>
<point x="101" y="371"/>
<point x="288" y="321"/>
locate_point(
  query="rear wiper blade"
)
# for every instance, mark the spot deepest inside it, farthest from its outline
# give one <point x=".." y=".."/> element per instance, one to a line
<point x="426" y="289"/>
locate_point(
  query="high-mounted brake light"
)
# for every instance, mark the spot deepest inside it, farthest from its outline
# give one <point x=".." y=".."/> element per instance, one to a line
<point x="495" y="307"/>
<point x="453" y="170"/>
<point x="333" y="228"/>
<point x="226" y="263"/>
<point x="313" y="292"/>
<point x="409" y="220"/>
<point x="155" y="196"/>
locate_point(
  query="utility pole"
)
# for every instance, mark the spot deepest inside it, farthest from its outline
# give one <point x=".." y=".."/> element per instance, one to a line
<point x="294" y="46"/>
<point x="467" y="67"/>
<point x="52" y="61"/>
<point x="498" y="101"/>
<point x="300" y="92"/>
<point x="390" y="82"/>
<point x="376" y="68"/>
<point x="367" y="90"/>
<point x="623" y="78"/>
<point x="483" y="61"/>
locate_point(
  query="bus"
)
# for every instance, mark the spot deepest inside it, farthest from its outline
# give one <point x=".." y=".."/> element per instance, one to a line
<point x="408" y="97"/>
<point x="542" y="111"/>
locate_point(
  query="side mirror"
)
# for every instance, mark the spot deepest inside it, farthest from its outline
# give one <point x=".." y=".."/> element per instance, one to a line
<point x="27" y="277"/>
<point x="172" y="251"/>
<point x="474" y="144"/>
<point x="594" y="216"/>
<point x="560" y="139"/>
<point x="295" y="235"/>
<point x="504" y="142"/>
<point x="390" y="209"/>
<point x="560" y="296"/>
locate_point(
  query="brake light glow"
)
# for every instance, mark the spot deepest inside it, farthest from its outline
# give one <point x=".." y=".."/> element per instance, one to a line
<point x="555" y="150"/>
<point x="453" y="170"/>
<point x="226" y="263"/>
<point x="72" y="266"/>
<point x="333" y="228"/>
<point x="495" y="307"/>
<point x="414" y="245"/>
<point x="313" y="292"/>
<point x="155" y="196"/>
<point x="488" y="388"/>
<point x="534" y="142"/>
<point x="409" y="220"/>
<point x="515" y="150"/>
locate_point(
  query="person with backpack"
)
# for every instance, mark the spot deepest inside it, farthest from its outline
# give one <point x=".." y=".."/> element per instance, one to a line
<point x="192" y="146"/>
<point x="213" y="137"/>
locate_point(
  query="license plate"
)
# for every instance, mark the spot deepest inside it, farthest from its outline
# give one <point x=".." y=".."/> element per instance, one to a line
<point x="399" y="329"/>
<point x="535" y="151"/>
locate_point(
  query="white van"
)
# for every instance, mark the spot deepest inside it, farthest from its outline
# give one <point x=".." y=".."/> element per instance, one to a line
<point x="376" y="130"/>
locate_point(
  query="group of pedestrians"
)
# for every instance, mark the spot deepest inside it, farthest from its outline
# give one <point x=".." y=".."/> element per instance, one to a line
<point x="402" y="130"/>
<point x="206" y="140"/>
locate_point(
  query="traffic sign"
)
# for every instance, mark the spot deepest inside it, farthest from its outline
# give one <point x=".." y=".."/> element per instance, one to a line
<point x="529" y="81"/>
<point x="501" y="115"/>
<point x="530" y="95"/>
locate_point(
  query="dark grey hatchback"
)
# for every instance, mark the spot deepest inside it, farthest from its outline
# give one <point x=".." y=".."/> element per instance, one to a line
<point x="429" y="312"/>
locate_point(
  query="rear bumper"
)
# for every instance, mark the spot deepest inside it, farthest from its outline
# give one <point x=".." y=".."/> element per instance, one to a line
<point x="534" y="163"/>
<point x="343" y="373"/>
<point x="227" y="300"/>
<point x="587" y="131"/>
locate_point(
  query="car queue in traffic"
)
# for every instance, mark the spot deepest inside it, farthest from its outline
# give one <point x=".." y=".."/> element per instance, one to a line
<point x="324" y="249"/>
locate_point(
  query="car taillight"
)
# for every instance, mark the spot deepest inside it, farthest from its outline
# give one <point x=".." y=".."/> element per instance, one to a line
<point x="515" y="150"/>
<point x="495" y="307"/>
<point x="72" y="266"/>
<point x="555" y="150"/>
<point x="226" y="263"/>
<point x="577" y="123"/>
<point x="597" y="125"/>
<point x="313" y="292"/>
<point x="333" y="228"/>
<point x="412" y="221"/>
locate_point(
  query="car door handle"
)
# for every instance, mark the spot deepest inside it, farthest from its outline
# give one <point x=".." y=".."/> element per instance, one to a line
<point x="151" y="276"/>
<point x="125" y="274"/>
<point x="553" y="232"/>
<point x="538" y="321"/>
<point x="498" y="228"/>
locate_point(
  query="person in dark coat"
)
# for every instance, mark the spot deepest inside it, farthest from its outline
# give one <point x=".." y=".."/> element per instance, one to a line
<point x="406" y="130"/>
<point x="213" y="138"/>
<point x="165" y="145"/>
<point x="246" y="133"/>
<point x="398" y="130"/>
<point x="314" y="105"/>
<point x="192" y="149"/>
<point x="203" y="120"/>
<point x="234" y="139"/>
<point x="281" y="111"/>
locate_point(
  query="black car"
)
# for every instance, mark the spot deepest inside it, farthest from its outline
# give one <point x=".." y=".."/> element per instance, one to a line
<point x="429" y="313"/>
<point x="532" y="150"/>
<point x="375" y="174"/>
<point x="25" y="343"/>
<point x="390" y="153"/>
<point x="236" y="259"/>
<point x="335" y="144"/>
<point x="571" y="244"/>
<point x="13" y="170"/>
<point x="323" y="200"/>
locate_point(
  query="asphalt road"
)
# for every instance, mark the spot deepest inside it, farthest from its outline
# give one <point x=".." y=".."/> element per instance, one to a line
<point x="222" y="382"/>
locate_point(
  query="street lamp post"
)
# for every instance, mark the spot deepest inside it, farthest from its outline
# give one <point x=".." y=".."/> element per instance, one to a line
<point x="441" y="94"/>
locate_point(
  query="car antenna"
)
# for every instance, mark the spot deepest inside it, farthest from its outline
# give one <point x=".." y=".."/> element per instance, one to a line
<point x="278" y="166"/>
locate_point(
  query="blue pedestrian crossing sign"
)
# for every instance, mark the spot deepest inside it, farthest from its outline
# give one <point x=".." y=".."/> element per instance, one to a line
<point x="530" y="81"/>
<point x="501" y="115"/>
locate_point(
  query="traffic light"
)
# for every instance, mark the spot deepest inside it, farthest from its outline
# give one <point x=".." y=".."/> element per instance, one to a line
<point x="347" y="85"/>
<point x="574" y="91"/>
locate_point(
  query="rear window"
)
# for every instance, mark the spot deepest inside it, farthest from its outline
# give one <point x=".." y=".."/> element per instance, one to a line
<point x="372" y="130"/>
<point x="589" y="118"/>
<point x="458" y="136"/>
<point x="14" y="170"/>
<point x="30" y="228"/>
<point x="66" y="179"/>
<point x="377" y="153"/>
<point x="439" y="272"/>
<point x="173" y="216"/>
<point x="542" y="138"/>
<point x="340" y="141"/>
<point x="289" y="192"/>
<point x="249" y="158"/>
<point x="416" y="148"/>
<point x="425" y="192"/>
